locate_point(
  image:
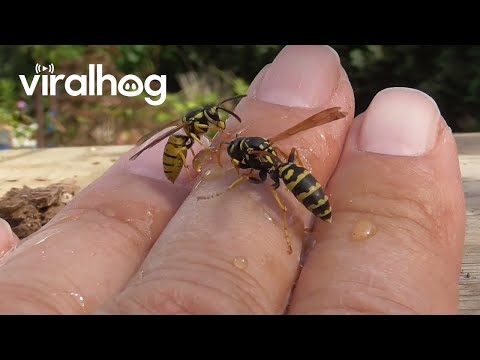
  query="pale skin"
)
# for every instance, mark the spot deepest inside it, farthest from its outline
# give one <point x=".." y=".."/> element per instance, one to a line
<point x="133" y="243"/>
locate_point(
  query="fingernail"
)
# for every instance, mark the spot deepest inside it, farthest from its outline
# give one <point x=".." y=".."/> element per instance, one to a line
<point x="6" y="235"/>
<point x="400" y="121"/>
<point x="301" y="76"/>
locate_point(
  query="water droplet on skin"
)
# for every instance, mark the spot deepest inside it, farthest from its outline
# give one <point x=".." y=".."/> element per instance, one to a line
<point x="79" y="299"/>
<point x="307" y="245"/>
<point x="49" y="234"/>
<point x="268" y="216"/>
<point x="109" y="212"/>
<point x="323" y="137"/>
<point x="70" y="217"/>
<point x="43" y="254"/>
<point x="363" y="230"/>
<point x="240" y="262"/>
<point x="4" y="256"/>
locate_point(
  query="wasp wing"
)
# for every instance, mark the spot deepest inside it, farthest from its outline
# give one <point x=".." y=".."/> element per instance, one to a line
<point x="150" y="134"/>
<point x="320" y="118"/>
<point x="263" y="154"/>
<point x="156" y="141"/>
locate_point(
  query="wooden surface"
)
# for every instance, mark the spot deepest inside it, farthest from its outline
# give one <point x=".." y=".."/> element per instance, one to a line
<point x="37" y="168"/>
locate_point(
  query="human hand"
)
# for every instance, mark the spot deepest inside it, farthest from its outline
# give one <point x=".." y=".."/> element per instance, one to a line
<point x="133" y="243"/>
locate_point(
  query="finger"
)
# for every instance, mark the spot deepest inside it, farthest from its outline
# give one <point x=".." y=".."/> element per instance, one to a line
<point x="8" y="239"/>
<point x="228" y="254"/>
<point x="88" y="252"/>
<point x="397" y="241"/>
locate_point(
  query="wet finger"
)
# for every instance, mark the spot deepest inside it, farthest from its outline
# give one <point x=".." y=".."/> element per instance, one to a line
<point x="396" y="242"/>
<point x="89" y="251"/>
<point x="227" y="254"/>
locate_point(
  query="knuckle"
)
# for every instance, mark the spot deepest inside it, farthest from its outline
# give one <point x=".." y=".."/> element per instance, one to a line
<point x="173" y="299"/>
<point x="22" y="298"/>
<point x="408" y="216"/>
<point x="124" y="239"/>
<point x="367" y="299"/>
<point x="203" y="289"/>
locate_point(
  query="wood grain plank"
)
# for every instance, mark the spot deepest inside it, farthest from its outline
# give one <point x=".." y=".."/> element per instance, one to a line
<point x="469" y="282"/>
<point x="47" y="166"/>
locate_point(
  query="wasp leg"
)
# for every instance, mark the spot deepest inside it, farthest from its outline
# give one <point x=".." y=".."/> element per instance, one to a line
<point x="219" y="154"/>
<point x="285" y="222"/>
<point x="278" y="150"/>
<point x="276" y="180"/>
<point x="295" y="156"/>
<point x="197" y="139"/>
<point x="262" y="176"/>
<point x="242" y="178"/>
<point x="276" y="183"/>
<point x="219" y="157"/>
<point x="237" y="182"/>
<point x="252" y="179"/>
<point x="236" y="165"/>
<point x="189" y="146"/>
<point x="184" y="160"/>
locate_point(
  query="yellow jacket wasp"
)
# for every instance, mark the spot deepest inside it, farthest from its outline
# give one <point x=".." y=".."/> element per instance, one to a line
<point x="195" y="123"/>
<point x="257" y="153"/>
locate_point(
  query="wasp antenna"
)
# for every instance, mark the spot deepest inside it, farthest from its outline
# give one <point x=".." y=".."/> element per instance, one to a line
<point x="231" y="113"/>
<point x="230" y="99"/>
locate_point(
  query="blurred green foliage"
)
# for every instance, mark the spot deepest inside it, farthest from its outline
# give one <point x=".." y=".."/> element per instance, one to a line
<point x="198" y="74"/>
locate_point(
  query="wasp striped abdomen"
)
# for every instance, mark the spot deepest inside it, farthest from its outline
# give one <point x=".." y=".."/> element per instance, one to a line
<point x="303" y="185"/>
<point x="174" y="155"/>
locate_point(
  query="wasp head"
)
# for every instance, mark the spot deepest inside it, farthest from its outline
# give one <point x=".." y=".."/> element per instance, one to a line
<point x="211" y="113"/>
<point x="234" y="150"/>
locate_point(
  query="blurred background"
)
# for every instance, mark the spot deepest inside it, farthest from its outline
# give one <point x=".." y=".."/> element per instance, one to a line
<point x="202" y="74"/>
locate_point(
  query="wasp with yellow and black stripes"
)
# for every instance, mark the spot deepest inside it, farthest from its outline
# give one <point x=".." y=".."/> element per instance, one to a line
<point x="257" y="153"/>
<point x="195" y="123"/>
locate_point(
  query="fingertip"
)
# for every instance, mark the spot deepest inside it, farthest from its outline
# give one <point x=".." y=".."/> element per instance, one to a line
<point x="8" y="239"/>
<point x="301" y="76"/>
<point x="400" y="121"/>
<point x="390" y="183"/>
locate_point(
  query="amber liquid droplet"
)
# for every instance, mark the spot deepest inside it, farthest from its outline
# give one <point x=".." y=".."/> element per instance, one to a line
<point x="213" y="173"/>
<point x="240" y="262"/>
<point x="363" y="230"/>
<point x="201" y="159"/>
